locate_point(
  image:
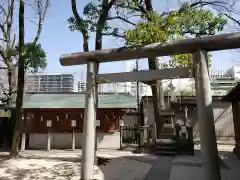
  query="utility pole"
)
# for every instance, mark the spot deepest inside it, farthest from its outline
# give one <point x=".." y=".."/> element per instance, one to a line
<point x="205" y="117"/>
<point x="89" y="125"/>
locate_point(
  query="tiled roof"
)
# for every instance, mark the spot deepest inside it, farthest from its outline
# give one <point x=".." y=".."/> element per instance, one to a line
<point x="233" y="94"/>
<point x="77" y="100"/>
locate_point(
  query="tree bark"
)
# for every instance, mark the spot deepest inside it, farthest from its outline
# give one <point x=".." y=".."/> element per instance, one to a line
<point x="106" y="6"/>
<point x="157" y="97"/>
<point x="6" y="30"/>
<point x="83" y="30"/>
<point x="19" y="101"/>
<point x="85" y="37"/>
<point x="157" y="88"/>
<point x="42" y="7"/>
<point x="10" y="88"/>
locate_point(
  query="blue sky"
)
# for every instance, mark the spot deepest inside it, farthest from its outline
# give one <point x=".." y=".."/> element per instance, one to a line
<point x="57" y="39"/>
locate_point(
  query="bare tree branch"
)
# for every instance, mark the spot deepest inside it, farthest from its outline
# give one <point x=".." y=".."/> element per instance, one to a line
<point x="113" y="34"/>
<point x="35" y="23"/>
<point x="225" y="7"/>
<point x="3" y="10"/>
<point x="2" y="54"/>
<point x="42" y="7"/>
<point x="122" y="19"/>
<point x="5" y="27"/>
<point x="106" y="6"/>
<point x="8" y="39"/>
<point x="201" y="3"/>
<point x="9" y="21"/>
<point x="2" y="24"/>
<point x="14" y="40"/>
<point x="3" y="31"/>
<point x="5" y="93"/>
<point x="233" y="19"/>
<point x="79" y="21"/>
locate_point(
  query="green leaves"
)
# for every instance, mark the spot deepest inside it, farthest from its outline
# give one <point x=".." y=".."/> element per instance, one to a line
<point x="185" y="23"/>
<point x="198" y="22"/>
<point x="35" y="57"/>
<point x="92" y="11"/>
<point x="89" y="22"/>
<point x="148" y="32"/>
<point x="74" y="26"/>
<point x="185" y="60"/>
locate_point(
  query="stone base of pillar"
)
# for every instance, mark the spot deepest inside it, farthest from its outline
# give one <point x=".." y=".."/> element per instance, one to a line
<point x="236" y="151"/>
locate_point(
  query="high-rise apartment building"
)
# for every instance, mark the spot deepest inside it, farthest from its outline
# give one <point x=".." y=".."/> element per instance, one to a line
<point x="50" y="82"/>
<point x="81" y="86"/>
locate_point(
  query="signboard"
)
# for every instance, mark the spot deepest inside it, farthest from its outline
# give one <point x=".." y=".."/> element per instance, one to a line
<point x="73" y="123"/>
<point x="5" y="113"/>
<point x="49" y="123"/>
<point x="97" y="122"/>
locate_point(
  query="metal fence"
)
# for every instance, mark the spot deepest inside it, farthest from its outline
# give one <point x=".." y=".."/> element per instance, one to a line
<point x="129" y="135"/>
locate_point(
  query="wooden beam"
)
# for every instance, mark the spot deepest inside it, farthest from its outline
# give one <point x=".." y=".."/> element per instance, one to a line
<point x="149" y="75"/>
<point x="208" y="43"/>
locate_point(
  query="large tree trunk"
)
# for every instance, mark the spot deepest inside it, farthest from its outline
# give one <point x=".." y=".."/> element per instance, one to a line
<point x="10" y="88"/>
<point x="106" y="6"/>
<point x="157" y="88"/>
<point x="8" y="57"/>
<point x="85" y="49"/>
<point x="157" y="96"/>
<point x="20" y="85"/>
<point x="12" y="84"/>
<point x="83" y="30"/>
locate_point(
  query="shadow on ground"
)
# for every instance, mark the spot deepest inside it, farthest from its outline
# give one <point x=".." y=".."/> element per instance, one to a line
<point x="123" y="167"/>
<point x="63" y="168"/>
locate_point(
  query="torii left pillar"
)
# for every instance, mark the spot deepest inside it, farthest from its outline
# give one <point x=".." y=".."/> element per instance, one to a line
<point x="88" y="146"/>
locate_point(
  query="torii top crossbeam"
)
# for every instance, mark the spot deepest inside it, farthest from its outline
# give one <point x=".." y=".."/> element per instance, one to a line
<point x="208" y="43"/>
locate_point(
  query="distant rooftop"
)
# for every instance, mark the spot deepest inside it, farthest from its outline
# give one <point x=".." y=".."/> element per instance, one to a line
<point x="49" y="73"/>
<point x="233" y="95"/>
<point x="76" y="100"/>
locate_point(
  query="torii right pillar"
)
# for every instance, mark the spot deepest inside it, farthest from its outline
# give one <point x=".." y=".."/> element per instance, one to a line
<point x="205" y="117"/>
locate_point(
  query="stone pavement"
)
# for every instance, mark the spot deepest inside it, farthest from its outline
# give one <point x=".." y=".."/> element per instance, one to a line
<point x="191" y="167"/>
<point x="188" y="168"/>
<point x="126" y="165"/>
<point x="161" y="169"/>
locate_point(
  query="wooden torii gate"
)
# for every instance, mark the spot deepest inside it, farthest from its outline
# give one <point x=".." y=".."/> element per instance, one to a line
<point x="198" y="47"/>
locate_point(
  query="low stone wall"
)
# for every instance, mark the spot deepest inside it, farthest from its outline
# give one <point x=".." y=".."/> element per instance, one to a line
<point x="64" y="141"/>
